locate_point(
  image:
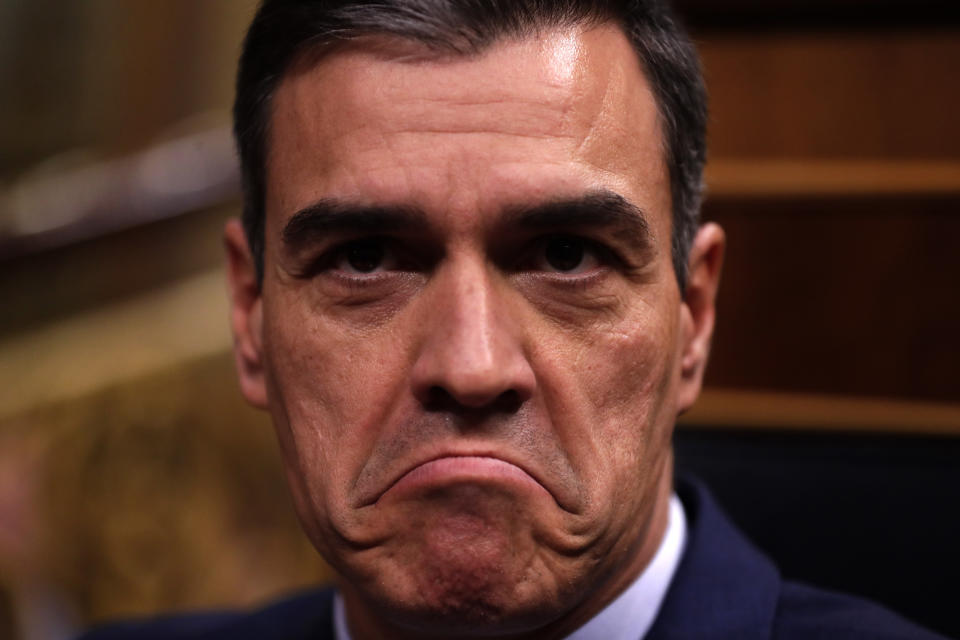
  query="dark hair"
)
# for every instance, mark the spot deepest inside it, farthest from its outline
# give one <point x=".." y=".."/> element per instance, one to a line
<point x="282" y="29"/>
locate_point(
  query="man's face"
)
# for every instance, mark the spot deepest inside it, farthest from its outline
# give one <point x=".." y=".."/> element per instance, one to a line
<point x="469" y="335"/>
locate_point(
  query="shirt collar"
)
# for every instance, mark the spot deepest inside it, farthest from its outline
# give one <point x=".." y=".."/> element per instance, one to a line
<point x="631" y="615"/>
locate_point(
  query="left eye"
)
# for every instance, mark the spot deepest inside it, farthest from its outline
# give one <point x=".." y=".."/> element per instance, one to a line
<point x="363" y="257"/>
<point x="567" y="254"/>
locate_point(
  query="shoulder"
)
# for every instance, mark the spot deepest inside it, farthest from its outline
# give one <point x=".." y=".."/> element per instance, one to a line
<point x="305" y="615"/>
<point x="806" y="612"/>
<point x="725" y="587"/>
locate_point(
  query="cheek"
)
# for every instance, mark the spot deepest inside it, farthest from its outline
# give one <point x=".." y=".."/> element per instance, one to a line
<point x="330" y="389"/>
<point x="610" y="392"/>
<point x="634" y="374"/>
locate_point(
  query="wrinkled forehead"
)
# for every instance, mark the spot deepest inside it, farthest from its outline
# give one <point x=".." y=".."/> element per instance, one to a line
<point x="574" y="98"/>
<point x="564" y="79"/>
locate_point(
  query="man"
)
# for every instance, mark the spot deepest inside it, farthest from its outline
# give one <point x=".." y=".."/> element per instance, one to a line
<point x="471" y="290"/>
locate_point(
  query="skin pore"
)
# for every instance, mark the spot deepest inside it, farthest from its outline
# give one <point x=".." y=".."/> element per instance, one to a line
<point x="469" y="334"/>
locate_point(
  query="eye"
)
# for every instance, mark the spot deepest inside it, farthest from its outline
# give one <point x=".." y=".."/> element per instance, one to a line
<point x="363" y="257"/>
<point x="567" y="254"/>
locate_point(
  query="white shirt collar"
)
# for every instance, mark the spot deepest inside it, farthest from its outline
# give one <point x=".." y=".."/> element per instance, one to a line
<point x="631" y="615"/>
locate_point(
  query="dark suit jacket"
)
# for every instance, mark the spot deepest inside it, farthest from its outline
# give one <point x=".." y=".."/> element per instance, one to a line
<point x="723" y="588"/>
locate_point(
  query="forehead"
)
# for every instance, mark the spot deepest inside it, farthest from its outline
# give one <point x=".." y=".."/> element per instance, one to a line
<point x="387" y="122"/>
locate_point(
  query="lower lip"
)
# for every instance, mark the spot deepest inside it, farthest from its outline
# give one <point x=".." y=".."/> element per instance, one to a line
<point x="463" y="469"/>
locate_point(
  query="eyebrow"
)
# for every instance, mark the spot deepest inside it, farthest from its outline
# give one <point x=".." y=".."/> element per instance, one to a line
<point x="597" y="209"/>
<point x="330" y="216"/>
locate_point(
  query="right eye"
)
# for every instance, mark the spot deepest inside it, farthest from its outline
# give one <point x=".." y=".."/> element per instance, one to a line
<point x="360" y="257"/>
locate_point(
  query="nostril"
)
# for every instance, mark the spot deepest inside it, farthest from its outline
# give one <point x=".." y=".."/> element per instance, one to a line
<point x="508" y="402"/>
<point x="438" y="398"/>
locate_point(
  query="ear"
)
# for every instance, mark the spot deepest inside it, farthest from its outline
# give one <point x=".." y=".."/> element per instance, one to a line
<point x="246" y="314"/>
<point x="698" y="311"/>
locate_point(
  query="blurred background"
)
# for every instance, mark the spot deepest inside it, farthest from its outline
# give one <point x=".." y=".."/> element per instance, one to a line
<point x="133" y="479"/>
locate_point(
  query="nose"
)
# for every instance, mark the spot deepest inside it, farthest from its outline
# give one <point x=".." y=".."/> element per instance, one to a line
<point x="472" y="354"/>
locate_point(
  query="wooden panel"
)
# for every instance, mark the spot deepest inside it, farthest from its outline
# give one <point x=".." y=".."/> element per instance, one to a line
<point x="771" y="411"/>
<point x="891" y="94"/>
<point x="41" y="288"/>
<point x="851" y="296"/>
<point x="40" y="73"/>
<point x="736" y="14"/>
<point x="110" y="75"/>
<point x="731" y="178"/>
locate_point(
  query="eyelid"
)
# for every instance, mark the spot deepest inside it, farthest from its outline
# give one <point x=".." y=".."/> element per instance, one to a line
<point x="325" y="257"/>
<point x="402" y="255"/>
<point x="399" y="256"/>
<point x="340" y="257"/>
<point x="533" y="252"/>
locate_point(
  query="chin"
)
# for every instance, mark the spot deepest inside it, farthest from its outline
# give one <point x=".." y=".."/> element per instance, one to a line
<point x="465" y="562"/>
<point x="470" y="607"/>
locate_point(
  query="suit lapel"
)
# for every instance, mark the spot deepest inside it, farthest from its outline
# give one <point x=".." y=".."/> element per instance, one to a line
<point x="724" y="586"/>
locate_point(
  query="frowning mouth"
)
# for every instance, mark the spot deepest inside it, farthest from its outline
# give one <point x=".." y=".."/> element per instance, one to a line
<point x="456" y="469"/>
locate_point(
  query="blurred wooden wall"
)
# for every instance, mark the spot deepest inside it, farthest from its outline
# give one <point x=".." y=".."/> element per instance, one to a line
<point x="134" y="479"/>
<point x="835" y="168"/>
